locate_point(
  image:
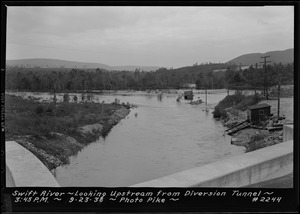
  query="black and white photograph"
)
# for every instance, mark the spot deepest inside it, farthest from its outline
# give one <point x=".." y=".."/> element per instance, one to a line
<point x="148" y="105"/>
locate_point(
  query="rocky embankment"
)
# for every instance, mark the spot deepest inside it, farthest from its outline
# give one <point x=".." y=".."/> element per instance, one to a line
<point x="69" y="147"/>
<point x="261" y="136"/>
<point x="254" y="138"/>
<point x="103" y="128"/>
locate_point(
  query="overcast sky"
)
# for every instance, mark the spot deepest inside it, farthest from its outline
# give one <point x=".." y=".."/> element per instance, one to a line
<point x="158" y="36"/>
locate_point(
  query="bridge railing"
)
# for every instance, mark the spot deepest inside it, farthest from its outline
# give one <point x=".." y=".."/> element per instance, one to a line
<point x="24" y="169"/>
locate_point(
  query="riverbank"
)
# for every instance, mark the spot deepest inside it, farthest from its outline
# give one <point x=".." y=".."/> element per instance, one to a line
<point x="254" y="139"/>
<point x="55" y="132"/>
<point x="251" y="138"/>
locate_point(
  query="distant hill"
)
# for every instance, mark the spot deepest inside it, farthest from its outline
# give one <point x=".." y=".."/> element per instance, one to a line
<point x="284" y="57"/>
<point x="56" y="63"/>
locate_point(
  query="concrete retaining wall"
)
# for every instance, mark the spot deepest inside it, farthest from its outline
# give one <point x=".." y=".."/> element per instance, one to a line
<point x="9" y="178"/>
<point x="23" y="169"/>
<point x="288" y="132"/>
<point x="253" y="167"/>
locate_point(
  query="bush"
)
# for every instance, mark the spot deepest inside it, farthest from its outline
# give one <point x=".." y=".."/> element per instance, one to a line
<point x="219" y="112"/>
<point x="247" y="101"/>
<point x="238" y="100"/>
<point x="66" y="98"/>
<point x="50" y="111"/>
<point x="39" y="109"/>
<point x="227" y="102"/>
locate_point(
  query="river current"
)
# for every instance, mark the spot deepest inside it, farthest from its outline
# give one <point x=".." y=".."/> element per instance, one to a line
<point x="159" y="137"/>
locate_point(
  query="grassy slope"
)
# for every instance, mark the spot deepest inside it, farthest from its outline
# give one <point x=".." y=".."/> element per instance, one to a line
<point x="34" y="125"/>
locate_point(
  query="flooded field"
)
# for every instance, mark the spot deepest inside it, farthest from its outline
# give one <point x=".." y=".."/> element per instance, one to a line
<point x="159" y="137"/>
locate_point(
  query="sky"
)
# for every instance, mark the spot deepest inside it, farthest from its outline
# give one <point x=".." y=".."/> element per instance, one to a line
<point x="147" y="36"/>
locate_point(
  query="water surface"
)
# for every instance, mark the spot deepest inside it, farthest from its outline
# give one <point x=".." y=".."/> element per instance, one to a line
<point x="165" y="137"/>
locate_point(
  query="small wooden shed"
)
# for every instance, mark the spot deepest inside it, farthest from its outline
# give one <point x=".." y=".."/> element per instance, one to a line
<point x="260" y="112"/>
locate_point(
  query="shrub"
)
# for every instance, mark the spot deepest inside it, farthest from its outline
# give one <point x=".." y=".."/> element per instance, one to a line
<point x="238" y="100"/>
<point x="39" y="109"/>
<point x="247" y="101"/>
<point x="219" y="112"/>
<point x="49" y="110"/>
<point x="66" y="98"/>
<point x="227" y="102"/>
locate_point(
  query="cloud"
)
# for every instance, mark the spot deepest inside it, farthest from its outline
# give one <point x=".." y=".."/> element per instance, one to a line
<point x="163" y="34"/>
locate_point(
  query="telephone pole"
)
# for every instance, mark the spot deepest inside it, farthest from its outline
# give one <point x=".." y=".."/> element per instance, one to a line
<point x="266" y="76"/>
<point x="278" y="89"/>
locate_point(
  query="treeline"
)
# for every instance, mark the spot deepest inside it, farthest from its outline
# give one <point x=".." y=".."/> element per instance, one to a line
<point x="260" y="77"/>
<point x="210" y="75"/>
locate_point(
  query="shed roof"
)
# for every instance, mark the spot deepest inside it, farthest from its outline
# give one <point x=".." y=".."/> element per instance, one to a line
<point x="263" y="105"/>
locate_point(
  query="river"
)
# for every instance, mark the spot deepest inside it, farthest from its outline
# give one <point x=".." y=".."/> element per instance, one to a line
<point x="159" y="137"/>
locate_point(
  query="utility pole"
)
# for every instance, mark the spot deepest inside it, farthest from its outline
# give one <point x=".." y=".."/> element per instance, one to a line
<point x="278" y="99"/>
<point x="265" y="76"/>
<point x="278" y="90"/>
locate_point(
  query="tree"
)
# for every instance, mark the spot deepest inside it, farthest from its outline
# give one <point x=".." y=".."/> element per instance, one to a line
<point x="210" y="76"/>
<point x="199" y="81"/>
<point x="253" y="77"/>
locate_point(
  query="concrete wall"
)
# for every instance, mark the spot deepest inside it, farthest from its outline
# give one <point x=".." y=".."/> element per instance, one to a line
<point x="253" y="167"/>
<point x="23" y="169"/>
<point x="9" y="178"/>
<point x="288" y="132"/>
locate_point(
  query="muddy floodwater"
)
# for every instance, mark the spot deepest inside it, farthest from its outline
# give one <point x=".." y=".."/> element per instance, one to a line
<point x="159" y="137"/>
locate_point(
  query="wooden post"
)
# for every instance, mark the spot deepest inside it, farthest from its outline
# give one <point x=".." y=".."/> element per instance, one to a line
<point x="205" y="96"/>
<point x="54" y="95"/>
<point x="278" y="99"/>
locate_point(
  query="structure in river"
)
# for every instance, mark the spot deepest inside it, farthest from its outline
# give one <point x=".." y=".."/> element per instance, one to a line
<point x="188" y="95"/>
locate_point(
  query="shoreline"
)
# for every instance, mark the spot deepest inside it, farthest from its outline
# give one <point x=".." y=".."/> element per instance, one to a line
<point x="253" y="139"/>
<point x="69" y="145"/>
